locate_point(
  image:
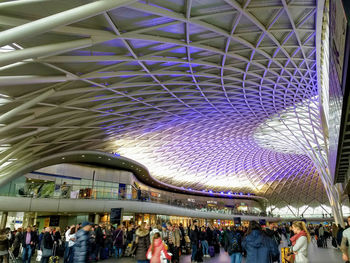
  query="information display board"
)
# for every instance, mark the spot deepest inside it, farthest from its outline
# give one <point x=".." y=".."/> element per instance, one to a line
<point x="116" y="216"/>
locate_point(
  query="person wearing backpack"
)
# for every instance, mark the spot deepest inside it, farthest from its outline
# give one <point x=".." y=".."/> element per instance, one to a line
<point x="234" y="245"/>
<point x="260" y="248"/>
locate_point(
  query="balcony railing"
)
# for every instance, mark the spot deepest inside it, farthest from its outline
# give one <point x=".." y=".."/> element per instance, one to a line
<point x="126" y="192"/>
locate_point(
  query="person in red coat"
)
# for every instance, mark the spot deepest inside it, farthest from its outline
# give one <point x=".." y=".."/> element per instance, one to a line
<point x="154" y="253"/>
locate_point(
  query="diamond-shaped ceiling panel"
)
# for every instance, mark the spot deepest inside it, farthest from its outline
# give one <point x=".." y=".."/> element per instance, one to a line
<point x="191" y="89"/>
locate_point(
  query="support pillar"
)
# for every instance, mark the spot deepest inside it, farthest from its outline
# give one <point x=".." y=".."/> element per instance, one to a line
<point x="25" y="222"/>
<point x="3" y="220"/>
<point x="97" y="219"/>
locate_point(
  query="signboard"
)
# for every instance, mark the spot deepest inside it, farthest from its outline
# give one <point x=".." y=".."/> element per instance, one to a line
<point x="116" y="216"/>
<point x="47" y="222"/>
<point x="155" y="194"/>
<point x="54" y="220"/>
<point x="237" y="220"/>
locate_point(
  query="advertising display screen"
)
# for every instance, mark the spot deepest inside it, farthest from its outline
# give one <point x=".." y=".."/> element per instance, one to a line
<point x="237" y="220"/>
<point x="116" y="216"/>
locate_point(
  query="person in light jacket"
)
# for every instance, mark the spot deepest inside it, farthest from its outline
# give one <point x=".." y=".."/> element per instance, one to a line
<point x="154" y="253"/>
<point x="300" y="242"/>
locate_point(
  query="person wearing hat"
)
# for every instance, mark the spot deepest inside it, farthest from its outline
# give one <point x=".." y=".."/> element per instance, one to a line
<point x="81" y="250"/>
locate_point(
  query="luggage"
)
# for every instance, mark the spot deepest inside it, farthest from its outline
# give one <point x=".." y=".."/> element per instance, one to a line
<point x="128" y="250"/>
<point x="284" y="253"/>
<point x="54" y="259"/>
<point x="187" y="249"/>
<point x="211" y="251"/>
<point x="217" y="248"/>
<point x="12" y="257"/>
<point x="199" y="254"/>
<point x="334" y="242"/>
<point x="104" y="253"/>
<point x="320" y="242"/>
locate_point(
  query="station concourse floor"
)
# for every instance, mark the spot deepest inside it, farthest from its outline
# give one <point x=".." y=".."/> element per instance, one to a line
<point x="316" y="255"/>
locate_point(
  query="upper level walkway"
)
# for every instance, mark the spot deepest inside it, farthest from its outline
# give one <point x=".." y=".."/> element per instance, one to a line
<point x="58" y="205"/>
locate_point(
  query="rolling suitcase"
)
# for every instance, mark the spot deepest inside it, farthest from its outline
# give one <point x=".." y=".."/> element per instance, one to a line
<point x="12" y="257"/>
<point x="104" y="253"/>
<point x="320" y="242"/>
<point x="199" y="254"/>
<point x="217" y="248"/>
<point x="211" y="251"/>
<point x="54" y="258"/>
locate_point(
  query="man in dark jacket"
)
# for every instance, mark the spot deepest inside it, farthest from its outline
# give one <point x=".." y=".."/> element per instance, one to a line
<point x="29" y="240"/>
<point x="194" y="237"/>
<point x="275" y="237"/>
<point x="81" y="249"/>
<point x="99" y="240"/>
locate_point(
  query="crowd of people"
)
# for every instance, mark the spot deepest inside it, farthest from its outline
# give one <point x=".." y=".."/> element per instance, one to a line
<point x="87" y="242"/>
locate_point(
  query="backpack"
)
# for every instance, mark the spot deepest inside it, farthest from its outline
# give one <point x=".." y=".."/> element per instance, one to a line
<point x="235" y="244"/>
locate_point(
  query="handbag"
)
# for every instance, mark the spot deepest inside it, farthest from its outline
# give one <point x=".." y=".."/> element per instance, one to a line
<point x="46" y="252"/>
<point x="39" y="256"/>
<point x="163" y="258"/>
<point x="290" y="258"/>
<point x="149" y="255"/>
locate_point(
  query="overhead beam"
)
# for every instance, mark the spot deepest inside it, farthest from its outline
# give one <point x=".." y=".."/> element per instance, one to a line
<point x="42" y="51"/>
<point x="57" y="20"/>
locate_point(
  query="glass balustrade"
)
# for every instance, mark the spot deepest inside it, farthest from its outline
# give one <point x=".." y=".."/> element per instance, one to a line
<point x="84" y="189"/>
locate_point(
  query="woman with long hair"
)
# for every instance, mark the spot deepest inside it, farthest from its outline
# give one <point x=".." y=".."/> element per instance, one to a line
<point x="300" y="241"/>
<point x="154" y="253"/>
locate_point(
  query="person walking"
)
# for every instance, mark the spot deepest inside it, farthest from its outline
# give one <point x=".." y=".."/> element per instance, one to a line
<point x="47" y="245"/>
<point x="28" y="244"/>
<point x="81" y="251"/>
<point x="4" y="246"/>
<point x="17" y="242"/>
<point x="157" y="251"/>
<point x="300" y="241"/>
<point x="143" y="242"/>
<point x="258" y="245"/>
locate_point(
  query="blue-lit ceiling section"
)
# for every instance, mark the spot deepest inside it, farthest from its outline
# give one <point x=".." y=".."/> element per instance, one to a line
<point x="212" y="95"/>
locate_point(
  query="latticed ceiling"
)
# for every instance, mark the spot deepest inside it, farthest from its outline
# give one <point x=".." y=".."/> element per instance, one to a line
<point x="205" y="93"/>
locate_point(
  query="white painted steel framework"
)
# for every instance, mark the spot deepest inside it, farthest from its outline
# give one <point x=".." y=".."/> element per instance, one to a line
<point x="215" y="95"/>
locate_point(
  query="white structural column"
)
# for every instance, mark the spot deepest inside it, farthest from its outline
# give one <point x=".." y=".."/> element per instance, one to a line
<point x="61" y="19"/>
<point x="322" y="51"/>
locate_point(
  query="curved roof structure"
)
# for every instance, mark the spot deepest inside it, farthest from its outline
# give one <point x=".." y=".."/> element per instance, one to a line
<point x="217" y="95"/>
